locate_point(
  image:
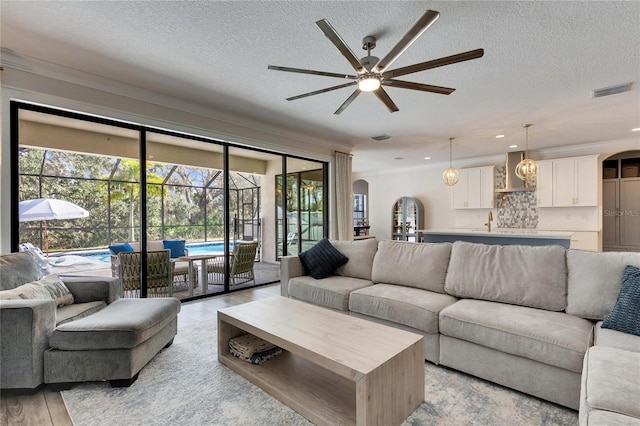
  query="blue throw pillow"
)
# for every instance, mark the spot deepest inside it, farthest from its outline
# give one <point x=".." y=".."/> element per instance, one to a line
<point x="322" y="260"/>
<point x="625" y="316"/>
<point x="117" y="248"/>
<point x="176" y="247"/>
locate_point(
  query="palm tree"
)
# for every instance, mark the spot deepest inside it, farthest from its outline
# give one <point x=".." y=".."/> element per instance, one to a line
<point x="128" y="188"/>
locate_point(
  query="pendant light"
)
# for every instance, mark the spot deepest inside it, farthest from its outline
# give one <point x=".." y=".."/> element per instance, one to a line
<point x="450" y="176"/>
<point x="527" y="169"/>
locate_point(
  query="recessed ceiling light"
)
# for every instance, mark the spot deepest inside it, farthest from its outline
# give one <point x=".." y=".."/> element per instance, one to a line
<point x="637" y="129"/>
<point x="513" y="146"/>
<point x="499" y="136"/>
<point x="427" y="158"/>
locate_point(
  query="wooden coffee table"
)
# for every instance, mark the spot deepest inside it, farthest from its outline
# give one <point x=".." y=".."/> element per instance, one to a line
<point x="335" y="369"/>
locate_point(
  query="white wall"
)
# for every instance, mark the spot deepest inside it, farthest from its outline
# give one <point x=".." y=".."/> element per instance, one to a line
<point x="426" y="185"/>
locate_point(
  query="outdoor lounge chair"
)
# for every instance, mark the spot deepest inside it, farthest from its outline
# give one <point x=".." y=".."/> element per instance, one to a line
<point x="159" y="273"/>
<point x="241" y="261"/>
<point x="49" y="264"/>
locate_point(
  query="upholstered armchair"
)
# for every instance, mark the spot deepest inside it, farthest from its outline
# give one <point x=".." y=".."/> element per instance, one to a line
<point x="25" y="324"/>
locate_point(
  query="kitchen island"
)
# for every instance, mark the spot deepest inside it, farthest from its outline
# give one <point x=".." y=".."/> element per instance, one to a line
<point x="502" y="236"/>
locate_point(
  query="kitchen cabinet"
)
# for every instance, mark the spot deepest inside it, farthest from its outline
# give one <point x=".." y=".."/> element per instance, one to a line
<point x="408" y="217"/>
<point x="568" y="182"/>
<point x="585" y="240"/>
<point x="621" y="205"/>
<point x="475" y="188"/>
<point x="629" y="212"/>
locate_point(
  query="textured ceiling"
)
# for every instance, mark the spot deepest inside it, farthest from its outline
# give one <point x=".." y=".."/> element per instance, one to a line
<point x="542" y="59"/>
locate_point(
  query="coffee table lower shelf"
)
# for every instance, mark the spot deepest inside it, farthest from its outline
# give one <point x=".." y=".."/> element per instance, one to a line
<point x="319" y="395"/>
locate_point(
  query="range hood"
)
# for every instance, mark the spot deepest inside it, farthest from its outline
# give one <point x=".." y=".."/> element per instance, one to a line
<point x="512" y="182"/>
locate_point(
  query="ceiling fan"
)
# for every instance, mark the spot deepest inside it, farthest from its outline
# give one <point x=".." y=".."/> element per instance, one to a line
<point x="373" y="73"/>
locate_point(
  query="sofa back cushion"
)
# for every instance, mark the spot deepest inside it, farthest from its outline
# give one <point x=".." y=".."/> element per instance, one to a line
<point x="516" y="274"/>
<point x="595" y="280"/>
<point x="418" y="265"/>
<point x="155" y="245"/>
<point x="17" y="269"/>
<point x="360" y="254"/>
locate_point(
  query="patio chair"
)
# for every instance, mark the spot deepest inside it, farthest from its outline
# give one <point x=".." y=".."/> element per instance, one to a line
<point x="241" y="261"/>
<point x="159" y="273"/>
<point x="180" y="269"/>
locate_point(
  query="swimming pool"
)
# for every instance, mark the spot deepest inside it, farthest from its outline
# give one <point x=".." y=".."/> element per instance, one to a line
<point x="194" y="248"/>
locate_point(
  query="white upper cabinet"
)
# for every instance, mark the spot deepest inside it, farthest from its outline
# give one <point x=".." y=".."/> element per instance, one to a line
<point x="474" y="190"/>
<point x="544" y="185"/>
<point x="568" y="182"/>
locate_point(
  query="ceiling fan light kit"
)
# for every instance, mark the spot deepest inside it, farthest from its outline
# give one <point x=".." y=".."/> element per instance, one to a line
<point x="527" y="169"/>
<point x="371" y="72"/>
<point x="450" y="175"/>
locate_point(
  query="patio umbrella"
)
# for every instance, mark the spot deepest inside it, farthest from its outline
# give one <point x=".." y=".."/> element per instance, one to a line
<point x="48" y="209"/>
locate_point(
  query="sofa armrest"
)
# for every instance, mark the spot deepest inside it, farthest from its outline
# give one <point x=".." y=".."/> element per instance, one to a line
<point x="90" y="289"/>
<point x="25" y="326"/>
<point x="290" y="267"/>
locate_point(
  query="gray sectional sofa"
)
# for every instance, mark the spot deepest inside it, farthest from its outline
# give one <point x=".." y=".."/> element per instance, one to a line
<point x="521" y="316"/>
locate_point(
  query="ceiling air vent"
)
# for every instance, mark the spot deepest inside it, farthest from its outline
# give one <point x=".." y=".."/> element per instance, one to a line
<point x="611" y="90"/>
<point x="380" y="137"/>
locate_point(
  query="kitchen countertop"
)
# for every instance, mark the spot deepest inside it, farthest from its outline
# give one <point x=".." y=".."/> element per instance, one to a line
<point x="500" y="232"/>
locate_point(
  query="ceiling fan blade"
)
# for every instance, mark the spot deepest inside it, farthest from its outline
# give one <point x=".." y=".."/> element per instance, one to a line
<point x="303" y="71"/>
<point x="447" y="60"/>
<point x="317" y="92"/>
<point x="384" y="97"/>
<point x="335" y="38"/>
<point x="419" y="86"/>
<point x="425" y="21"/>
<point x="346" y="103"/>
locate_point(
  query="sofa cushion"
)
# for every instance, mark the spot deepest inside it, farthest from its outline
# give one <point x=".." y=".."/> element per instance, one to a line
<point x="123" y="324"/>
<point x="76" y="311"/>
<point x="176" y="247"/>
<point x="607" y="418"/>
<point x="121" y="248"/>
<point x="595" y="280"/>
<point x="610" y="382"/>
<point x="552" y="338"/>
<point x="625" y="316"/>
<point x="362" y="253"/>
<point x="49" y="287"/>
<point x="615" y="339"/>
<point x="331" y="292"/>
<point x="17" y="269"/>
<point x="418" y="265"/>
<point x="408" y="306"/>
<point x="516" y="274"/>
<point x="322" y="260"/>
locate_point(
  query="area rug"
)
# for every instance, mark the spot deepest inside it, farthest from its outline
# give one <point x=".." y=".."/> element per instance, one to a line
<point x="185" y="385"/>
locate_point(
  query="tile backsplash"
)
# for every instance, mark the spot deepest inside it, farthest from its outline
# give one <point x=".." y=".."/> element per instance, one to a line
<point x="515" y="209"/>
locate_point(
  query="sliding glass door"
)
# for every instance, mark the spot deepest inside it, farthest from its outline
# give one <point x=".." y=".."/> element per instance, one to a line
<point x="151" y="190"/>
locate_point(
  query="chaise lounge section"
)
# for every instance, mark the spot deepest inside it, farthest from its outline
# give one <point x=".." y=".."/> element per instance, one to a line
<point x="62" y="330"/>
<point x="520" y="316"/>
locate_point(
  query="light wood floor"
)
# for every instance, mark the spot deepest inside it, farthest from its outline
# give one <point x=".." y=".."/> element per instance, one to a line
<point x="47" y="408"/>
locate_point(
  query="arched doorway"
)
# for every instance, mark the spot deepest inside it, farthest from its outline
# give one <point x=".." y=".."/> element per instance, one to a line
<point x="621" y="202"/>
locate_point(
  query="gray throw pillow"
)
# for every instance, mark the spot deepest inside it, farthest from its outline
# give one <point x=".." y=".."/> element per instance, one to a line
<point x="625" y="316"/>
<point x="322" y="260"/>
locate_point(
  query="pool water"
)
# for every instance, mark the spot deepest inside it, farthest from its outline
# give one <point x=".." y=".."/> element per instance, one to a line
<point x="194" y="248"/>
